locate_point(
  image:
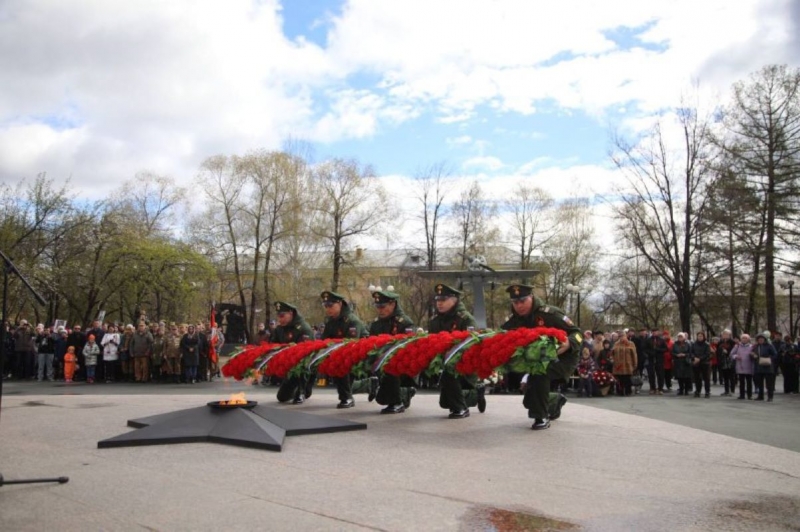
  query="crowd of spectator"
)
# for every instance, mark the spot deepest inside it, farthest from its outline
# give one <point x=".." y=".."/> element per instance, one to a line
<point x="154" y="352"/>
<point x="690" y="365"/>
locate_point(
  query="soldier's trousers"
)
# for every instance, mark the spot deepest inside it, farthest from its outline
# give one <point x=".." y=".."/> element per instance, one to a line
<point x="538" y="399"/>
<point x="347" y="386"/>
<point x="289" y="388"/>
<point x="457" y="392"/>
<point x="395" y="390"/>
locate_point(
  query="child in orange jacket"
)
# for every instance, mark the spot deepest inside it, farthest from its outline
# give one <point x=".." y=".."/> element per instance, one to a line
<point x="70" y="363"/>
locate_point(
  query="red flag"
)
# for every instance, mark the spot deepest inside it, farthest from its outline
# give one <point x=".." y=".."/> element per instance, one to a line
<point x="212" y="352"/>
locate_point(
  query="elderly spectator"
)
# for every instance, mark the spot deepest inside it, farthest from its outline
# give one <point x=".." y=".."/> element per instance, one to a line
<point x="654" y="349"/>
<point x="141" y="347"/>
<point x="110" y="344"/>
<point x="668" y="365"/>
<point x="681" y="364"/>
<point x="23" y="350"/>
<point x="700" y="353"/>
<point x="190" y="352"/>
<point x="765" y="360"/>
<point x="744" y="365"/>
<point x="157" y="359"/>
<point x="788" y="356"/>
<point x="77" y="339"/>
<point x="60" y="346"/>
<point x="625" y="363"/>
<point x="172" y="353"/>
<point x="125" y="361"/>
<point x="726" y="365"/>
<point x="47" y="349"/>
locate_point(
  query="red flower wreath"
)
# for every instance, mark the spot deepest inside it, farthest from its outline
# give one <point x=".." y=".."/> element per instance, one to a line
<point x="282" y="363"/>
<point x="603" y="378"/>
<point x="244" y="361"/>
<point x="342" y="361"/>
<point x="495" y="351"/>
<point x="414" y="358"/>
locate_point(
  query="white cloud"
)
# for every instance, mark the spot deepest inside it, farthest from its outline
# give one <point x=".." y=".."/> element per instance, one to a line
<point x="497" y="52"/>
<point x="100" y="90"/>
<point x="486" y="162"/>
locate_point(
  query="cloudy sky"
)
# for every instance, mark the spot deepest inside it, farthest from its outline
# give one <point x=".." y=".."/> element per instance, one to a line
<point x="502" y="90"/>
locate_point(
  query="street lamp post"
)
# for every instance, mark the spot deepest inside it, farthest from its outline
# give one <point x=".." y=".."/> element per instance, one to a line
<point x="577" y="291"/>
<point x="791" y="310"/>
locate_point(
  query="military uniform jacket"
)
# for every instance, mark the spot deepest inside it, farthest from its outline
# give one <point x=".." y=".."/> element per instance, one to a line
<point x="547" y="316"/>
<point x="397" y="323"/>
<point x="297" y="331"/>
<point x="340" y="327"/>
<point x="457" y="319"/>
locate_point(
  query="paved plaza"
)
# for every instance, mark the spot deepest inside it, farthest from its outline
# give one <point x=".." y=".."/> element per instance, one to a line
<point x="642" y="463"/>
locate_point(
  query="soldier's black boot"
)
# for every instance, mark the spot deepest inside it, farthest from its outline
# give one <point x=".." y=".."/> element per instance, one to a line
<point x="562" y="400"/>
<point x="394" y="409"/>
<point x="347" y="403"/>
<point x="411" y="393"/>
<point x="541" y="424"/>
<point x="373" y="388"/>
<point x="299" y="398"/>
<point x="459" y="414"/>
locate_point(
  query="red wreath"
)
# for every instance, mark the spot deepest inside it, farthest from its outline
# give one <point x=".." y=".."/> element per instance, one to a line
<point x="283" y="362"/>
<point x="238" y="365"/>
<point x="414" y="358"/>
<point x="495" y="351"/>
<point x="341" y="362"/>
<point x="603" y="378"/>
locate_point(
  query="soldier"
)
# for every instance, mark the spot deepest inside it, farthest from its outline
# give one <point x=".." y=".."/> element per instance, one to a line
<point x="171" y="352"/>
<point x="341" y="322"/>
<point x="394" y="392"/>
<point x="529" y="311"/>
<point x="292" y="328"/>
<point x="458" y="393"/>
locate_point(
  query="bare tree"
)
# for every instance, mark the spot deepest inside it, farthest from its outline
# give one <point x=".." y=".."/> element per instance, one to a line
<point x="636" y="292"/>
<point x="660" y="211"/>
<point x="529" y="207"/>
<point x="432" y="183"/>
<point x="151" y="200"/>
<point x="473" y="215"/>
<point x="221" y="222"/>
<point x="572" y="256"/>
<point x="352" y="202"/>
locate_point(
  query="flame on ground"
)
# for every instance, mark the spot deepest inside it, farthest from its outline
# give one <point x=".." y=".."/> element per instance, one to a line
<point x="235" y="399"/>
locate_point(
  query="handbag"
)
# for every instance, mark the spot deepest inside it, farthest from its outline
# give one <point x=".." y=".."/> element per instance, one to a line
<point x="636" y="381"/>
<point x="764" y="361"/>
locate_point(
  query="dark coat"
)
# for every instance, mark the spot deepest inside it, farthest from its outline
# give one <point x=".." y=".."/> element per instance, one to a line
<point x="190" y="349"/>
<point x="76" y="339"/>
<point x="347" y="325"/>
<point x="397" y="323"/>
<point x="700" y="351"/>
<point x="457" y="319"/>
<point x="724" y="348"/>
<point x="297" y="331"/>
<point x="681" y="362"/>
<point x="764" y="350"/>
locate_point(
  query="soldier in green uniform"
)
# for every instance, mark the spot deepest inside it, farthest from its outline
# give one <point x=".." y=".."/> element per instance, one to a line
<point x="529" y="311"/>
<point x="292" y="328"/>
<point x="342" y="322"/>
<point x="394" y="393"/>
<point x="457" y="393"/>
